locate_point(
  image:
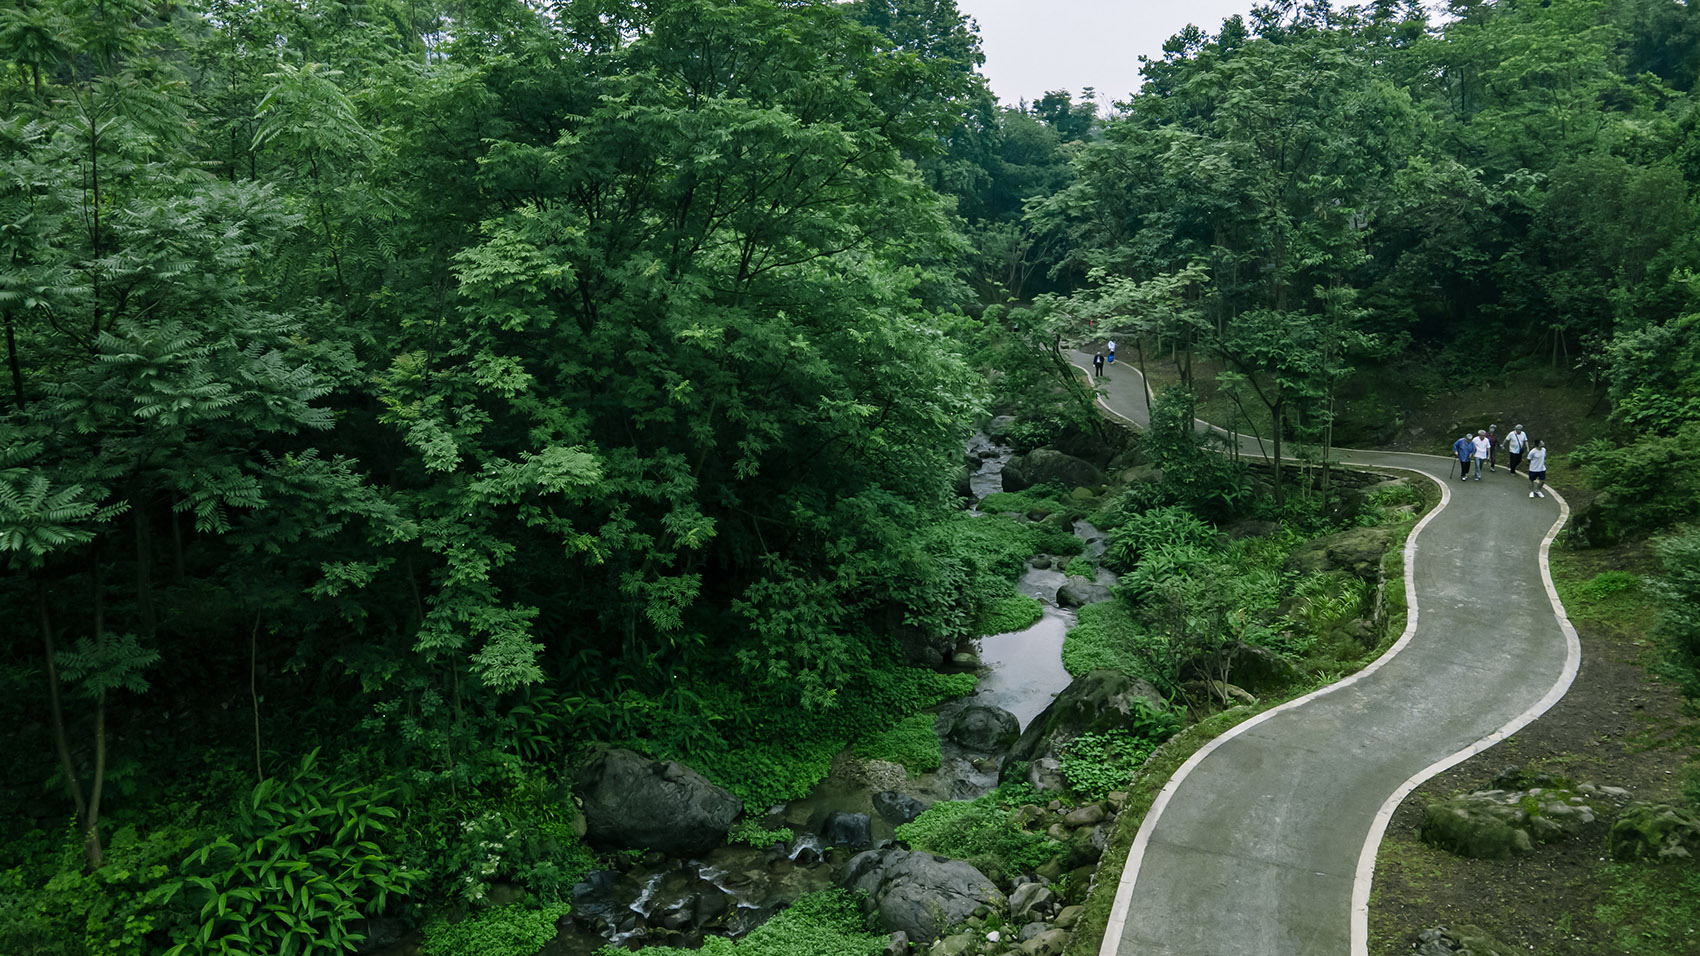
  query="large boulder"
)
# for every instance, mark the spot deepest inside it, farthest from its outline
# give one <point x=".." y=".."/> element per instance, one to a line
<point x="1094" y="703"/>
<point x="1356" y="551"/>
<point x="919" y="894"/>
<point x="1078" y="591"/>
<point x="633" y="802"/>
<point x="986" y="729"/>
<point x="896" y="807"/>
<point x="1049" y="466"/>
<point x="1258" y="669"/>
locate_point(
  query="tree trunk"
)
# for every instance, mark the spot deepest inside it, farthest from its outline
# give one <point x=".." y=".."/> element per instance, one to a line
<point x="1277" y="409"/>
<point x="60" y="742"/>
<point x="254" y="695"/>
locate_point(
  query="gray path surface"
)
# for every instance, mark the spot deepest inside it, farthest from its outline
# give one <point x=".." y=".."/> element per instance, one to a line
<point x="1264" y="843"/>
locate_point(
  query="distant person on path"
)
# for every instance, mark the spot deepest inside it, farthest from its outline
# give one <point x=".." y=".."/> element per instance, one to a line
<point x="1483" y="448"/>
<point x="1538" y="470"/>
<point x="1493" y="447"/>
<point x="1112" y="348"/>
<point x="1516" y="443"/>
<point x="1464" y="448"/>
<point x="1097" y="365"/>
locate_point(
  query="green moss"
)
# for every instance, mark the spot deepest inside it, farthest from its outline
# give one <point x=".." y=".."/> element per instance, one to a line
<point x="1017" y="612"/>
<point x="1081" y="567"/>
<point x="514" y="930"/>
<point x="1105" y="635"/>
<point x="911" y="742"/>
<point x="1031" y="503"/>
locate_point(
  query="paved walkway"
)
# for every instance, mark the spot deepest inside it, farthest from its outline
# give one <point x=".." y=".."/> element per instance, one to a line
<point x="1264" y="842"/>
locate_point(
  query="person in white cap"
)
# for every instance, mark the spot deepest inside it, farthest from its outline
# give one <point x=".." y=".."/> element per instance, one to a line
<point x="1516" y="442"/>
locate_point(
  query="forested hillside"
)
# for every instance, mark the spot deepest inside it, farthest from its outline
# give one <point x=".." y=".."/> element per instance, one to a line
<point x="402" y="396"/>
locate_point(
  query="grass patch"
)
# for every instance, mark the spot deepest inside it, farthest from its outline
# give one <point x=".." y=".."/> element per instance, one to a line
<point x="1614" y="597"/>
<point x="1082" y="567"/>
<point x="1652" y="910"/>
<point x="1018" y="612"/>
<point x="513" y="930"/>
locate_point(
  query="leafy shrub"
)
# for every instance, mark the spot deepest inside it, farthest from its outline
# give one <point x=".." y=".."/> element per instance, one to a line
<point x="1095" y="764"/>
<point x="1325" y="601"/>
<point x="1017" y="612"/>
<point x="300" y="870"/>
<point x="1647" y="484"/>
<point x="750" y="832"/>
<point x="1194" y="472"/>
<point x="1163" y="566"/>
<point x="828" y="923"/>
<point x="982" y="832"/>
<point x="1140" y="533"/>
<point x="1678" y="591"/>
<point x="513" y="930"/>
<point x="123" y="907"/>
<point x="911" y="742"/>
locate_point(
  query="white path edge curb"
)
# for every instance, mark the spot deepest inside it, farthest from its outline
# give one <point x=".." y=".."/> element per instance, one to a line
<point x="1366" y="859"/>
<point x="1572" y="664"/>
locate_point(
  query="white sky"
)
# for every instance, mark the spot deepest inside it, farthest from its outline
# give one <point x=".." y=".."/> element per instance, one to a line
<point x="1033" y="46"/>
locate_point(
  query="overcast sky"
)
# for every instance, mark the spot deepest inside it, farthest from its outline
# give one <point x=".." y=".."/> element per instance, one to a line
<point x="1032" y="46"/>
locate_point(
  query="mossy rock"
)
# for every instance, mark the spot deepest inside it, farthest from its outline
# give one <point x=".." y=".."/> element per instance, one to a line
<point x="1494" y="824"/>
<point x="1655" y="830"/>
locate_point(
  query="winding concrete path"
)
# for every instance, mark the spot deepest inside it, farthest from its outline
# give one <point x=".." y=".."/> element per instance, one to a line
<point x="1263" y="844"/>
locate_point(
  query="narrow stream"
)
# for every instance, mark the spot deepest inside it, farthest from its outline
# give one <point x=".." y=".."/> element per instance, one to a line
<point x="734" y="888"/>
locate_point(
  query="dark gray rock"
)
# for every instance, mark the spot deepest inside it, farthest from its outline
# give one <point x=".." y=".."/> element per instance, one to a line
<point x="1049" y="466"/>
<point x="1258" y="669"/>
<point x="633" y="802"/>
<point x="919" y="894"/>
<point x="984" y="728"/>
<point x="852" y="830"/>
<point x="1030" y="902"/>
<point x="1093" y="703"/>
<point x="1078" y="591"/>
<point x="1466" y="940"/>
<point x="896" y="807"/>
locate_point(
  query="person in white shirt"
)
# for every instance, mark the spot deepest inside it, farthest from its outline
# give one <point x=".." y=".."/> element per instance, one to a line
<point x="1484" y="448"/>
<point x="1516" y="443"/>
<point x="1111" y="347"/>
<point x="1538" y="470"/>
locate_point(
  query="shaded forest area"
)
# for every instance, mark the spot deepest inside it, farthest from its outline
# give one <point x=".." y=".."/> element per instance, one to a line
<point x="403" y="395"/>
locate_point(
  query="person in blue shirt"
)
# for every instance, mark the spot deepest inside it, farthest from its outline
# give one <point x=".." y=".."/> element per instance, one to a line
<point x="1464" y="448"/>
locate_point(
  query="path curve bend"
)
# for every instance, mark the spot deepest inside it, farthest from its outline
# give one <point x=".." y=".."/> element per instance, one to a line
<point x="1264" y="842"/>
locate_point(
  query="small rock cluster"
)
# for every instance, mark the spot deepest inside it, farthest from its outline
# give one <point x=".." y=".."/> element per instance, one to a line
<point x="1037" y="924"/>
<point x="1466" y="940"/>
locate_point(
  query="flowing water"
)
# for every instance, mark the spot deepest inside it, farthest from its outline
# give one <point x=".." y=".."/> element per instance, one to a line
<point x="733" y="889"/>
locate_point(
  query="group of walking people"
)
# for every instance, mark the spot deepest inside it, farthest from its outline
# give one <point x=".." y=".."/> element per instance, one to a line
<point x="1098" y="360"/>
<point x="1481" y="450"/>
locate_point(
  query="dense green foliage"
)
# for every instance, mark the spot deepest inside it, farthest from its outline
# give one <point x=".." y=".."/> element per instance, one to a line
<point x="982" y="831"/>
<point x="511" y="930"/>
<point x="1017" y="612"/>
<point x="911" y="742"/>
<point x="458" y="384"/>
